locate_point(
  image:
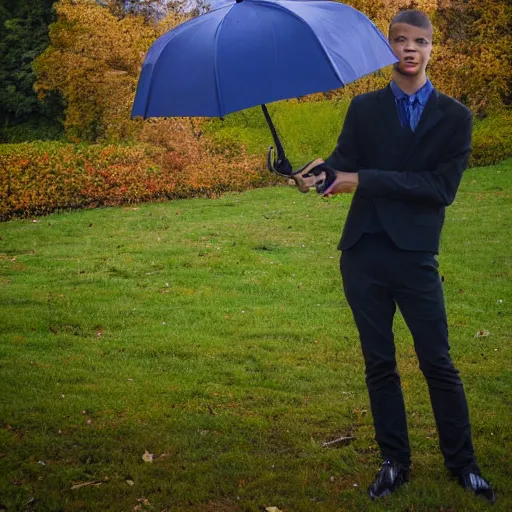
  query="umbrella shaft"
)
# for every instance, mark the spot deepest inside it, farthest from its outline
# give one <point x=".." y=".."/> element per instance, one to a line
<point x="277" y="142"/>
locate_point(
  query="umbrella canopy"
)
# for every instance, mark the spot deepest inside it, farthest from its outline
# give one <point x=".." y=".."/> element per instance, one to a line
<point x="257" y="51"/>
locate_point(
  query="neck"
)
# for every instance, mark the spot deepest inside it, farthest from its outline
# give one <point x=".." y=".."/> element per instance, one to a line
<point x="409" y="84"/>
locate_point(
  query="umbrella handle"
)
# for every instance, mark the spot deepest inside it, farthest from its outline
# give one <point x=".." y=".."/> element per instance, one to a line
<point x="278" y="165"/>
<point x="321" y="176"/>
<point x="321" y="183"/>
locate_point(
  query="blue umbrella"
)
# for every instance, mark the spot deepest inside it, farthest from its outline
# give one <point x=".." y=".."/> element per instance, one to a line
<point x="254" y="52"/>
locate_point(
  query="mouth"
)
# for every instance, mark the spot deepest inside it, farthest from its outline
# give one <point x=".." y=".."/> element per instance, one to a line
<point x="409" y="62"/>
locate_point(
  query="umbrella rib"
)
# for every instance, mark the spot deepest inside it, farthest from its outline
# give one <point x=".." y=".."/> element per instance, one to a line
<point x="216" y="67"/>
<point x="271" y="30"/>
<point x="324" y="51"/>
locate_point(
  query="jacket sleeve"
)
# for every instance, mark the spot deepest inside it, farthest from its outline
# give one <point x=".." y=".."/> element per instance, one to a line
<point x="437" y="186"/>
<point x="344" y="157"/>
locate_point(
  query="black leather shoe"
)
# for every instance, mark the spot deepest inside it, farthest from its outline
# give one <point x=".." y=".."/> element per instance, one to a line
<point x="391" y="476"/>
<point x="471" y="480"/>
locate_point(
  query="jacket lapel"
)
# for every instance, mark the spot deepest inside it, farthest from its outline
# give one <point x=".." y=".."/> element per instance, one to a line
<point x="432" y="115"/>
<point x="387" y="106"/>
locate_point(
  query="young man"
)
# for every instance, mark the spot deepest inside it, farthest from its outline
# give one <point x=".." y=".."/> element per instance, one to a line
<point x="403" y="150"/>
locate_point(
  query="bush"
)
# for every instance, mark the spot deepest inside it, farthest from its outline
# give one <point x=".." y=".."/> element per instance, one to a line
<point x="37" y="129"/>
<point x="38" y="178"/>
<point x="42" y="177"/>
<point x="492" y="139"/>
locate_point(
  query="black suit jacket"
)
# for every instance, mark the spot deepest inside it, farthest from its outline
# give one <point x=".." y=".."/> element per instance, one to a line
<point x="406" y="179"/>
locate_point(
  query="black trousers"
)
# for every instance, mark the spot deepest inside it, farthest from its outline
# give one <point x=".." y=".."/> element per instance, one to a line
<point x="378" y="276"/>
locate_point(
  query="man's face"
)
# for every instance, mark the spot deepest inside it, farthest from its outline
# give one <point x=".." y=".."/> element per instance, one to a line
<point x="412" y="46"/>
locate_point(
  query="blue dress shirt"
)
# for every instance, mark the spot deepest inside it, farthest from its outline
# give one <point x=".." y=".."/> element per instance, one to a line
<point x="411" y="107"/>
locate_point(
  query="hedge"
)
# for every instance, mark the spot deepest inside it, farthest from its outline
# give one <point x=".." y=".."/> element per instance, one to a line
<point x="492" y="139"/>
<point x="38" y="178"/>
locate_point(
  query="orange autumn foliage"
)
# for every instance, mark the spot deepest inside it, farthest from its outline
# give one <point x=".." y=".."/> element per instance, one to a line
<point x="39" y="178"/>
<point x="94" y="61"/>
<point x="95" y="58"/>
<point x="472" y="55"/>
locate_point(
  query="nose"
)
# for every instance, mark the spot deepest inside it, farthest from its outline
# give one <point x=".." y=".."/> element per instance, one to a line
<point x="410" y="46"/>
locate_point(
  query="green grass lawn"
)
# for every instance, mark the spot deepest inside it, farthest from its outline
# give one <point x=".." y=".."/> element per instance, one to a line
<point x="214" y="334"/>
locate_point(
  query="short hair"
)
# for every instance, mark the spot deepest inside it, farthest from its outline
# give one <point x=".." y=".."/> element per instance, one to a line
<point x="412" y="17"/>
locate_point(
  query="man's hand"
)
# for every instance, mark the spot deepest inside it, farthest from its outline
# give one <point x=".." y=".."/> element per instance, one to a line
<point x="305" y="183"/>
<point x="345" y="182"/>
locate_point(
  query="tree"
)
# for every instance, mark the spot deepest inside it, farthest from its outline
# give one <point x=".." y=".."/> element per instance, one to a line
<point x="97" y="48"/>
<point x="94" y="61"/>
<point x="472" y="55"/>
<point x="23" y="36"/>
<point x="155" y="10"/>
<point x="149" y="9"/>
<point x="475" y="44"/>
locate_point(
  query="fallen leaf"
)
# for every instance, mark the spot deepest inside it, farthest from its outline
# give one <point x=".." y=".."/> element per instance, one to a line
<point x="130" y="482"/>
<point x="272" y="509"/>
<point x="94" y="483"/>
<point x="148" y="457"/>
<point x="338" y="441"/>
<point x="143" y="504"/>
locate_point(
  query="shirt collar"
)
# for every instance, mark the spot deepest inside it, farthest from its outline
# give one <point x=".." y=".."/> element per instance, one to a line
<point x="422" y="95"/>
